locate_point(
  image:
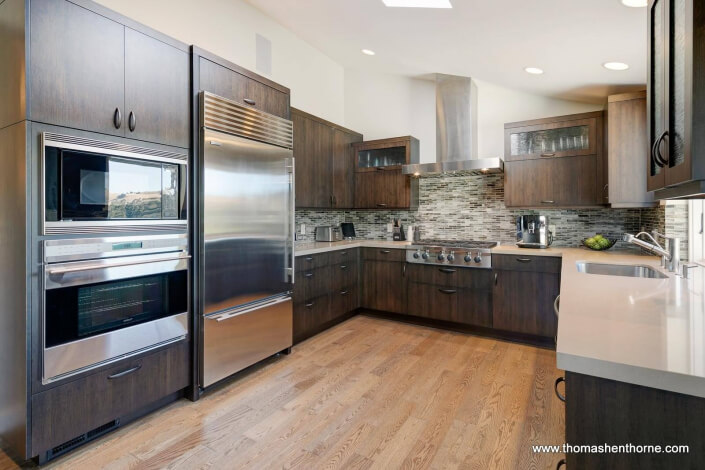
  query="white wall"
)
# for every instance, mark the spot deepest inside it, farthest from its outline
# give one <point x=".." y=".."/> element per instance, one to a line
<point x="381" y="105"/>
<point x="228" y="28"/>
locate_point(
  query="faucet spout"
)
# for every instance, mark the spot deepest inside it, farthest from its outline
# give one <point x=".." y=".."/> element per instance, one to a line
<point x="671" y="256"/>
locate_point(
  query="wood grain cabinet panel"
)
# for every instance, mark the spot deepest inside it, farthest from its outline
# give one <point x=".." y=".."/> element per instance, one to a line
<point x="383" y="285"/>
<point x="77" y="67"/>
<point x="475" y="307"/>
<point x="432" y="301"/>
<point x="156" y="90"/>
<point x="343" y="169"/>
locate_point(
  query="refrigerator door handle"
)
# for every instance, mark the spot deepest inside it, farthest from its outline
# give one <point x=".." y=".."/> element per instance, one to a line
<point x="228" y="314"/>
<point x="292" y="221"/>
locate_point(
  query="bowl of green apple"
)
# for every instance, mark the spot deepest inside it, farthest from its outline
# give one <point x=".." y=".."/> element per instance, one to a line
<point x="599" y="243"/>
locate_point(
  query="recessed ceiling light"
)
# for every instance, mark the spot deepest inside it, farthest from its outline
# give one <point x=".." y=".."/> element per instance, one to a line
<point x="615" y="66"/>
<point x="634" y="3"/>
<point x="418" y="3"/>
<point x="368" y="52"/>
<point x="533" y="70"/>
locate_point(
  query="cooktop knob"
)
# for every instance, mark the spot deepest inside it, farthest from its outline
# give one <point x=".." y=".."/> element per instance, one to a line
<point x="441" y="256"/>
<point x="478" y="258"/>
<point x="451" y="256"/>
<point x="425" y="255"/>
<point x="417" y="255"/>
<point x="468" y="258"/>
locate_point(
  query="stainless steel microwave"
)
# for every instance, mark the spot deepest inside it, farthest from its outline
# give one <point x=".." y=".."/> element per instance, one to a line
<point x="92" y="186"/>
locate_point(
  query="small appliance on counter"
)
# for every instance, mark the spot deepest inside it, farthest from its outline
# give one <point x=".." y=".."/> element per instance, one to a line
<point x="398" y="234"/>
<point x="328" y="233"/>
<point x="533" y="232"/>
<point x="348" y="229"/>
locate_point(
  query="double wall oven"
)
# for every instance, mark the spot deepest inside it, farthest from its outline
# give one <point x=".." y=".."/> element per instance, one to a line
<point x="107" y="293"/>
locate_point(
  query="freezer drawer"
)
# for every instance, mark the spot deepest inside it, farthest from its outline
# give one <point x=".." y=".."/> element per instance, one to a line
<point x="236" y="339"/>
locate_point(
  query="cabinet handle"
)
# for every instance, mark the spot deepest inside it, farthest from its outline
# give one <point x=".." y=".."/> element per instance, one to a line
<point x="556" y="304"/>
<point x="309" y="258"/>
<point x="309" y="305"/>
<point x="344" y="292"/>
<point x="447" y="291"/>
<point x="496" y="278"/>
<point x="381" y="205"/>
<point x="249" y="101"/>
<point x="343" y="253"/>
<point x="343" y="266"/>
<point x="656" y="151"/>
<point x="561" y="463"/>
<point x="701" y="223"/>
<point x="524" y="260"/>
<point x="385" y="252"/>
<point x="548" y="155"/>
<point x="548" y="201"/>
<point x="331" y="200"/>
<point x="446" y="270"/>
<point x="403" y="270"/>
<point x="308" y="275"/>
<point x="125" y="372"/>
<point x="117" y="118"/>
<point x="132" y="121"/>
<point x="379" y="168"/>
<point x="555" y="388"/>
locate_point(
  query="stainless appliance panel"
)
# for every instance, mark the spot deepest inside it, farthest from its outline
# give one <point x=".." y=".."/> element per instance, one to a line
<point x="236" y="339"/>
<point x="72" y="358"/>
<point x="247" y="223"/>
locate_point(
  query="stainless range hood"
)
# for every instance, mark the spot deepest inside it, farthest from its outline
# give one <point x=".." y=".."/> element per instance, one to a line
<point x="456" y="132"/>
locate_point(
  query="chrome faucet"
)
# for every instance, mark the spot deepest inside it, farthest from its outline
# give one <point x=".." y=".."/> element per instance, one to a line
<point x="670" y="258"/>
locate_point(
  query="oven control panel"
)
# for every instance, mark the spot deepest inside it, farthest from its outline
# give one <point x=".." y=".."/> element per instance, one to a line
<point x="92" y="248"/>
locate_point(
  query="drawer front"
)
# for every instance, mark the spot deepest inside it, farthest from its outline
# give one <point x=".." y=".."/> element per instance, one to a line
<point x="476" y="278"/>
<point x="542" y="264"/>
<point x="439" y="275"/>
<point x="309" y="315"/>
<point x="340" y="256"/>
<point x="311" y="283"/>
<point x="432" y="301"/>
<point x="343" y="274"/>
<point x="308" y="262"/>
<point x="344" y="300"/>
<point x="384" y="254"/>
<point x="67" y="411"/>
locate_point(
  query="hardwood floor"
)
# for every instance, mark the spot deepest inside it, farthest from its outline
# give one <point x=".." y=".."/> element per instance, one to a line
<point x="368" y="393"/>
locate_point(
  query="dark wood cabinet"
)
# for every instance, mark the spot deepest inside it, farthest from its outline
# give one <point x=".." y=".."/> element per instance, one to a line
<point x="230" y="81"/>
<point x="156" y="91"/>
<point x="326" y="290"/>
<point x="556" y="162"/>
<point x="525" y="288"/>
<point x="600" y="411"/>
<point x="676" y="98"/>
<point x="324" y="159"/>
<point x="627" y="150"/>
<point x="76" y="67"/>
<point x="379" y="182"/>
<point x="83" y="406"/>
<point x="383" y="280"/>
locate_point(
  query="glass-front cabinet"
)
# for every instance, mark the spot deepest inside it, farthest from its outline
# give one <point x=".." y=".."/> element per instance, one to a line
<point x="550" y="139"/>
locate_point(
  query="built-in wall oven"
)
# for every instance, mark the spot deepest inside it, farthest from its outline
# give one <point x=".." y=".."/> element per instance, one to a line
<point x="108" y="298"/>
<point x="91" y="186"/>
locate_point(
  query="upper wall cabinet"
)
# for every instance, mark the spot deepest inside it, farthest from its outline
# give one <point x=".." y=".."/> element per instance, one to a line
<point x="555" y="162"/>
<point x="91" y="72"/>
<point x="627" y="150"/>
<point x="676" y="98"/>
<point x="324" y="158"/>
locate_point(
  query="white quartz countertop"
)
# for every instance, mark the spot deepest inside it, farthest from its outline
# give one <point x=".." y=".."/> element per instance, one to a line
<point x="648" y="332"/>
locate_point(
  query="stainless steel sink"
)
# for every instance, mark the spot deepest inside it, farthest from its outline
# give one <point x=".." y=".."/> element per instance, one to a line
<point x="619" y="270"/>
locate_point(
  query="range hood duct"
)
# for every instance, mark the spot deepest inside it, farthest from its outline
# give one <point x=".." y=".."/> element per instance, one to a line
<point x="456" y="132"/>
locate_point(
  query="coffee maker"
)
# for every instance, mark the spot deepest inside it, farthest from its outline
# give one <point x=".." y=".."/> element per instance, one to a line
<point x="533" y="232"/>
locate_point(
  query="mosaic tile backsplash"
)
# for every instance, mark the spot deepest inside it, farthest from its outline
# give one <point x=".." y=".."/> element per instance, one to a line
<point x="472" y="207"/>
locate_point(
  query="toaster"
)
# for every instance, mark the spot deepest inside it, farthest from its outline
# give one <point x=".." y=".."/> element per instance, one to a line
<point x="328" y="233"/>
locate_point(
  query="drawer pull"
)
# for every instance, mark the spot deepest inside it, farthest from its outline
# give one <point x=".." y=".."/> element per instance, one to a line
<point x="447" y="291"/>
<point x="309" y="305"/>
<point x="343" y="266"/>
<point x="381" y="205"/>
<point x="309" y="258"/>
<point x="125" y="372"/>
<point x="447" y="270"/>
<point x="385" y="252"/>
<point x="548" y="201"/>
<point x="249" y="101"/>
<point x="344" y="292"/>
<point x="379" y="168"/>
<point x="309" y="275"/>
<point x="343" y="253"/>
<point x="548" y="155"/>
<point x="524" y="260"/>
<point x="555" y="388"/>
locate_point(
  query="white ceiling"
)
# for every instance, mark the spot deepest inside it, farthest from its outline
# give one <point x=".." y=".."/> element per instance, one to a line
<point x="491" y="40"/>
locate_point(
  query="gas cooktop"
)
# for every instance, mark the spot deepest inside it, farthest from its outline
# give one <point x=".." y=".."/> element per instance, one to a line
<point x="461" y="253"/>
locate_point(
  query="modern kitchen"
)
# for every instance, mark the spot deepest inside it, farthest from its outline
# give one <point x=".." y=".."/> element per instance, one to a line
<point x="383" y="234"/>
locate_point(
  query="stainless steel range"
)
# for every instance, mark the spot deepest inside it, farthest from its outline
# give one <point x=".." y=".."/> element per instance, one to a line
<point x="468" y="254"/>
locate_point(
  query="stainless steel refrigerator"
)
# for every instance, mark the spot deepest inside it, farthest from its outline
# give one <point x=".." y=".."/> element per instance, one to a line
<point x="245" y="235"/>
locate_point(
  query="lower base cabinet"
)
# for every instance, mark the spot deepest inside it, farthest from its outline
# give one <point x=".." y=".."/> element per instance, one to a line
<point x="383" y="280"/>
<point x="72" y="413"/>
<point x="603" y="411"/>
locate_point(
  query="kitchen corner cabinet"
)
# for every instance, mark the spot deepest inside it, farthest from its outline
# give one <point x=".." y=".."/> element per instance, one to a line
<point x="555" y="162"/>
<point x="379" y="181"/>
<point x="324" y="158"/>
<point x="627" y="150"/>
<point x="676" y="97"/>
<point x="90" y="72"/>
<point x="525" y="289"/>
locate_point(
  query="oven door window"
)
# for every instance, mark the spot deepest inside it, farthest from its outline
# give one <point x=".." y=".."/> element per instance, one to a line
<point x="78" y="312"/>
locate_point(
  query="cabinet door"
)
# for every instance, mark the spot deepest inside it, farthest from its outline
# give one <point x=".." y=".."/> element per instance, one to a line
<point x="77" y="68"/>
<point x="523" y="302"/>
<point x="156" y="90"/>
<point x="308" y="316"/>
<point x="268" y="99"/>
<point x="382" y="189"/>
<point x="552" y="182"/>
<point x="657" y="80"/>
<point x="383" y="286"/>
<point x="312" y="150"/>
<point x="475" y="307"/>
<point x="555" y="139"/>
<point x="343" y="168"/>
